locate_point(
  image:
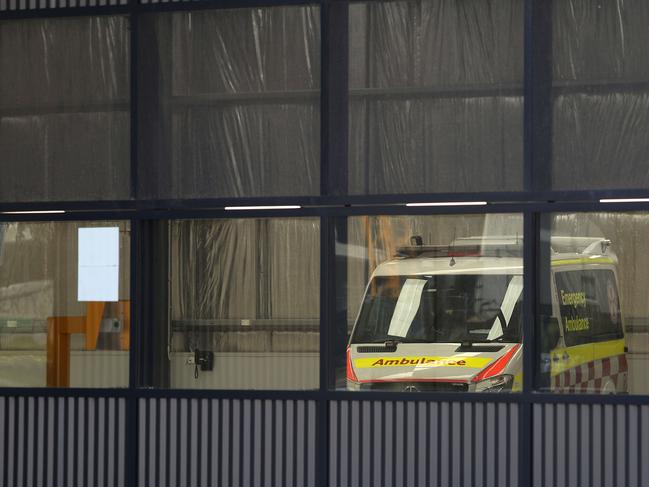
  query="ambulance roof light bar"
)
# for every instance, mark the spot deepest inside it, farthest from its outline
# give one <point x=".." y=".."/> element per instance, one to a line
<point x="501" y="247"/>
<point x="459" y="248"/>
<point x="580" y="245"/>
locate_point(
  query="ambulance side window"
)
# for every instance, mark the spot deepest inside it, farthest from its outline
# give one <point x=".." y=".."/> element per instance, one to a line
<point x="589" y="306"/>
<point x="607" y="323"/>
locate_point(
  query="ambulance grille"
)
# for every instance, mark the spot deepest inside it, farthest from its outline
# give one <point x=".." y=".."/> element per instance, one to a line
<point x="417" y="386"/>
<point x="377" y="348"/>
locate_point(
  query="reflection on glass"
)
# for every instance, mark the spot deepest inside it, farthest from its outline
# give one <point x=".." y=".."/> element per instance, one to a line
<point x="48" y="336"/>
<point x="445" y="316"/>
<point x="440" y="308"/>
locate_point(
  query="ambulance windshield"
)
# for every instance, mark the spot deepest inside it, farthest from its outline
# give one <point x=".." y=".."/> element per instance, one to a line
<point x="441" y="308"/>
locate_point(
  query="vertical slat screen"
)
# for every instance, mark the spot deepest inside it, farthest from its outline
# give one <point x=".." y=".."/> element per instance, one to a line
<point x="453" y="444"/>
<point x="594" y="445"/>
<point x="208" y="442"/>
<point x="76" y="442"/>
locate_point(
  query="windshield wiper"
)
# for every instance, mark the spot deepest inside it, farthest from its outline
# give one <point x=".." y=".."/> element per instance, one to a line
<point x="503" y="339"/>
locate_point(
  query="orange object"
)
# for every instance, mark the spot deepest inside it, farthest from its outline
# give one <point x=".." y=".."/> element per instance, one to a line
<point x="58" y="337"/>
<point x="94" y="313"/>
<point x="124" y="313"/>
<point x="58" y="347"/>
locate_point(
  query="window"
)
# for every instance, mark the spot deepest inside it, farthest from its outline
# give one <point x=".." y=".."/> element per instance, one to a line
<point x="50" y="334"/>
<point x="65" y="109"/>
<point x="243" y="305"/>
<point x="589" y="306"/>
<point x="435" y="96"/>
<point x="600" y="96"/>
<point x="593" y="305"/>
<point x="230" y="103"/>
<point x="433" y="303"/>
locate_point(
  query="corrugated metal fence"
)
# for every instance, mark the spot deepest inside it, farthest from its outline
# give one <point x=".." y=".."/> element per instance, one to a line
<point x="201" y="442"/>
<point x="423" y="443"/>
<point x="81" y="441"/>
<point x="73" y="442"/>
<point x="579" y="445"/>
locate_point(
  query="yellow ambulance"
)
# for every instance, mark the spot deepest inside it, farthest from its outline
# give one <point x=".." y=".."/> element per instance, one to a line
<point x="449" y="318"/>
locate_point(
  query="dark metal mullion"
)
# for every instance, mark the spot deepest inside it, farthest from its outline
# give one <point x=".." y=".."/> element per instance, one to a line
<point x="537" y="143"/>
<point x="537" y="129"/>
<point x="131" y="449"/>
<point x="327" y="301"/>
<point x="334" y="62"/>
<point x="334" y="18"/>
<point x="525" y="416"/>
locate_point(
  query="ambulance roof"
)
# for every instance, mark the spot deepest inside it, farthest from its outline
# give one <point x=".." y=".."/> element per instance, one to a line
<point x="492" y="255"/>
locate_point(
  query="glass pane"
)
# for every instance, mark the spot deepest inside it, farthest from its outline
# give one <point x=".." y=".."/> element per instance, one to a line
<point x="600" y="105"/>
<point x="246" y="295"/>
<point x="433" y="303"/>
<point x="64" y="109"/>
<point x="594" y="315"/>
<point x="230" y="103"/>
<point x="436" y="96"/>
<point x="52" y="331"/>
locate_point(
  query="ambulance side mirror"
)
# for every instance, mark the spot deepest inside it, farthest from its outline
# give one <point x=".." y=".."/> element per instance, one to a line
<point x="550" y="334"/>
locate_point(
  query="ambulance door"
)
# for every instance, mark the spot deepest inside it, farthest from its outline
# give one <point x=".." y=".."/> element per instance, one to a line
<point x="571" y="360"/>
<point x="609" y="360"/>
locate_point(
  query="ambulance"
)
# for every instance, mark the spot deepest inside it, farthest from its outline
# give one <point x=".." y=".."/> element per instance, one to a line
<point x="449" y="318"/>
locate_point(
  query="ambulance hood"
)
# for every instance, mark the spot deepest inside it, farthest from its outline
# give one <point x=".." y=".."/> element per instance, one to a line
<point x="443" y="362"/>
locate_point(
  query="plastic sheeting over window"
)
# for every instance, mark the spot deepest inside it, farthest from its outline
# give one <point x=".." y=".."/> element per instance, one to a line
<point x="600" y="40"/>
<point x="600" y="141"/>
<point x="247" y="291"/>
<point x="64" y="109"/>
<point x="600" y="123"/>
<point x="235" y="106"/>
<point x="436" y="96"/>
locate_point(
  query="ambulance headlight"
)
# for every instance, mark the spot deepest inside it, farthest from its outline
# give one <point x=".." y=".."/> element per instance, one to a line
<point x="498" y="383"/>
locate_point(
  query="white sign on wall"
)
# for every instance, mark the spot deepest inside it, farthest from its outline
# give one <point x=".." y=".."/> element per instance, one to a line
<point x="98" y="264"/>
